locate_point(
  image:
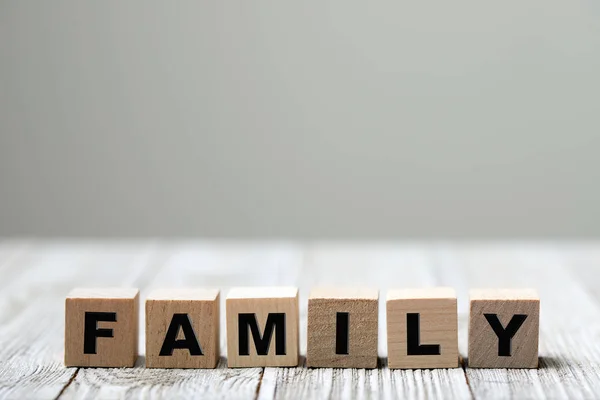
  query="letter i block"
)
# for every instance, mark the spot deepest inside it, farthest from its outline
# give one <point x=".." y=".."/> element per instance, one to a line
<point x="182" y="328"/>
<point x="262" y="327"/>
<point x="422" y="327"/>
<point x="101" y="327"/>
<point x="504" y="328"/>
<point x="342" y="328"/>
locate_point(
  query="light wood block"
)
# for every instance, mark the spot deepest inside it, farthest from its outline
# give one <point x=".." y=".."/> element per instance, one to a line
<point x="504" y="328"/>
<point x="101" y="327"/>
<point x="422" y="328"/>
<point x="342" y="328"/>
<point x="262" y="327"/>
<point x="182" y="328"/>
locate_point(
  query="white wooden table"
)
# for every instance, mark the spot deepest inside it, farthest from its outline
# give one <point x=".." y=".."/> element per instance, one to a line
<point x="35" y="276"/>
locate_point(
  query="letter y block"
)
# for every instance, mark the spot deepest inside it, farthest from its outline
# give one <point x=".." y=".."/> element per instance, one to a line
<point x="262" y="327"/>
<point x="504" y="328"/>
<point x="101" y="327"/>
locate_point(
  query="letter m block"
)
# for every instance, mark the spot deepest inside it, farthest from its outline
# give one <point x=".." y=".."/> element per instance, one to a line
<point x="262" y="327"/>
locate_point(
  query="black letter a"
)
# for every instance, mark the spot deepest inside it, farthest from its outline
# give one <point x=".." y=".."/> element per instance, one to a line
<point x="189" y="342"/>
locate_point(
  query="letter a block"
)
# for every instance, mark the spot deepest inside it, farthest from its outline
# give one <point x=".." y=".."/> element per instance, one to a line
<point x="262" y="327"/>
<point x="504" y="328"/>
<point x="182" y="328"/>
<point x="422" y="328"/>
<point x="101" y="327"/>
<point x="342" y="328"/>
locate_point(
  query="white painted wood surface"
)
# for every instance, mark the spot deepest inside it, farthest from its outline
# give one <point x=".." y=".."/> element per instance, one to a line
<point x="35" y="277"/>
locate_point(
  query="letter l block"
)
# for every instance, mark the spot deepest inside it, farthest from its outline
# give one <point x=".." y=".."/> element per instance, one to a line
<point x="262" y="327"/>
<point x="101" y="327"/>
<point x="504" y="328"/>
<point x="422" y="327"/>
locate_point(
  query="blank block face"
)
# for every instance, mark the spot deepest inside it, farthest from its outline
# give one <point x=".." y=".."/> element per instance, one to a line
<point x="182" y="328"/>
<point x="422" y="328"/>
<point x="504" y="328"/>
<point x="262" y="327"/>
<point x="342" y="328"/>
<point x="101" y="327"/>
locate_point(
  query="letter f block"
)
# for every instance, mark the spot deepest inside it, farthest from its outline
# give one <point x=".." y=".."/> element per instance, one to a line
<point x="422" y="326"/>
<point x="262" y="327"/>
<point x="504" y="328"/>
<point x="101" y="327"/>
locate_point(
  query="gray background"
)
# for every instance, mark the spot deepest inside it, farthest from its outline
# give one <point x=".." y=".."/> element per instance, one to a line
<point x="300" y="119"/>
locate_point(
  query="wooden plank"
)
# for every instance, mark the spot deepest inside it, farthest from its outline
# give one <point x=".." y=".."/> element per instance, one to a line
<point x="583" y="260"/>
<point x="32" y="311"/>
<point x="39" y="276"/>
<point x="198" y="264"/>
<point x="569" y="319"/>
<point x="10" y="252"/>
<point x="7" y="250"/>
<point x="379" y="266"/>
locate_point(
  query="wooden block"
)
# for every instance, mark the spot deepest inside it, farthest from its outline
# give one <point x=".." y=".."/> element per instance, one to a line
<point x="101" y="327"/>
<point x="342" y="328"/>
<point x="422" y="328"/>
<point x="504" y="328"/>
<point x="182" y="328"/>
<point x="262" y="327"/>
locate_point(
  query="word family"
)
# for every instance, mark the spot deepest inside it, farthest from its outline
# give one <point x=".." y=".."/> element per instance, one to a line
<point x="182" y="328"/>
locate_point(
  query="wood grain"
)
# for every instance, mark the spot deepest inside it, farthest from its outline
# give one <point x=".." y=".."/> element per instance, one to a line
<point x="360" y="308"/>
<point x="504" y="328"/>
<point x="344" y="264"/>
<point x="200" y="337"/>
<point x="32" y="315"/>
<point x="261" y="304"/>
<point x="120" y="348"/>
<point x="36" y="276"/>
<point x="568" y="364"/>
<point x="437" y="327"/>
<point x="195" y="264"/>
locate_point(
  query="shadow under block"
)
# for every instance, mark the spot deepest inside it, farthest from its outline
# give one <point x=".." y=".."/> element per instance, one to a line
<point x="262" y="327"/>
<point x="182" y="328"/>
<point x="504" y="328"/>
<point x="422" y="328"/>
<point x="101" y="327"/>
<point x="342" y="328"/>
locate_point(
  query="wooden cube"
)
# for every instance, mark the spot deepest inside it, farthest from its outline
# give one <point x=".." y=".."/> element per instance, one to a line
<point x="182" y="328"/>
<point x="262" y="327"/>
<point x="504" y="328"/>
<point x="101" y="327"/>
<point x="422" y="328"/>
<point x="342" y="328"/>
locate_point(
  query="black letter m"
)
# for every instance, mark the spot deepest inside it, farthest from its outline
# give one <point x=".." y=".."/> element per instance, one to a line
<point x="275" y="322"/>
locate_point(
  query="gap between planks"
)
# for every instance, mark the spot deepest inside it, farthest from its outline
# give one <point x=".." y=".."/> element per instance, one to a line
<point x="257" y="393"/>
<point x="68" y="383"/>
<point x="464" y="365"/>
